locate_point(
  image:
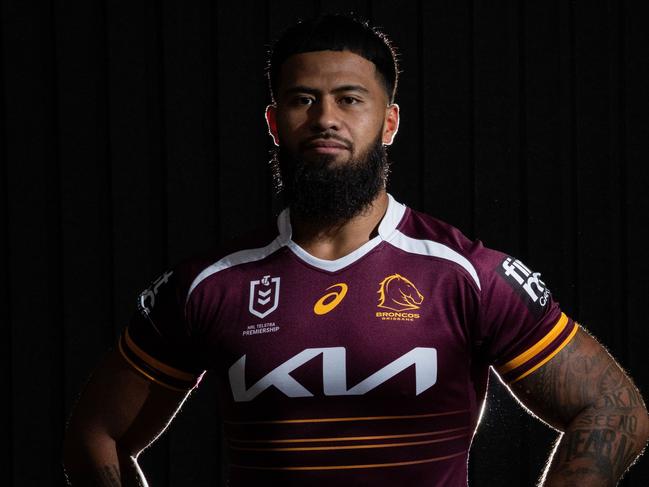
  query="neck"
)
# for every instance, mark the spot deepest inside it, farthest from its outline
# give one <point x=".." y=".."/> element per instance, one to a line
<point x="332" y="241"/>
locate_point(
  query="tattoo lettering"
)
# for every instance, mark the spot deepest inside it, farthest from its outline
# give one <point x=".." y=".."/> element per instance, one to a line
<point x="628" y="424"/>
<point x="625" y="423"/>
<point x="624" y="397"/>
<point x="595" y="443"/>
<point x="606" y="447"/>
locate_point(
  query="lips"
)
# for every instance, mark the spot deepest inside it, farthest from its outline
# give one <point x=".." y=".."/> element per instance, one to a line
<point x="325" y="146"/>
<point x="325" y="143"/>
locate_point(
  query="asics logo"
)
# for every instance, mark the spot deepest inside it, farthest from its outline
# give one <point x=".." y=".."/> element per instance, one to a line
<point x="330" y="300"/>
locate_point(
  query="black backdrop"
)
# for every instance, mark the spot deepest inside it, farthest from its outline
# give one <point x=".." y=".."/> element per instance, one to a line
<point x="132" y="135"/>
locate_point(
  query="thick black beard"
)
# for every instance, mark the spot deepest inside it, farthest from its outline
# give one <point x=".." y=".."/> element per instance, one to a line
<point x="330" y="195"/>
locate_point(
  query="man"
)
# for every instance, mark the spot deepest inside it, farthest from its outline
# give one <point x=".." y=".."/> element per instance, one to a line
<point x="354" y="346"/>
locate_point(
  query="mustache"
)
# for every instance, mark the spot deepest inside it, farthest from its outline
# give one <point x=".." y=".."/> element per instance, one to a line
<point x="326" y="136"/>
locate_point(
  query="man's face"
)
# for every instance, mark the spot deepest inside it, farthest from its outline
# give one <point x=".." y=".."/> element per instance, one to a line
<point x="330" y="103"/>
<point x="331" y="122"/>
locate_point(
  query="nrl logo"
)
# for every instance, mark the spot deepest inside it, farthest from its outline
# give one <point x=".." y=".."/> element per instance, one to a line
<point x="264" y="296"/>
<point x="397" y="293"/>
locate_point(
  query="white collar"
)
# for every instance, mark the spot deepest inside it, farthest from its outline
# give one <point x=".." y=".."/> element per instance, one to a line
<point x="387" y="227"/>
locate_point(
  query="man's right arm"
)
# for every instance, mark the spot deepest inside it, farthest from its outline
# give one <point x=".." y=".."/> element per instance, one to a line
<point x="118" y="415"/>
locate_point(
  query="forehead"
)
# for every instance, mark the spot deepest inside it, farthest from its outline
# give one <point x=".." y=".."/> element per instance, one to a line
<point x="325" y="68"/>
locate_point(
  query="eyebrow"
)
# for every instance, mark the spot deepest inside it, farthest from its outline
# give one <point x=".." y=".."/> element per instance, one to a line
<point x="313" y="91"/>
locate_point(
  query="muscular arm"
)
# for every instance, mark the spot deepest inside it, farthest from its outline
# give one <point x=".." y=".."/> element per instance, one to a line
<point x="118" y="415"/>
<point x="585" y="394"/>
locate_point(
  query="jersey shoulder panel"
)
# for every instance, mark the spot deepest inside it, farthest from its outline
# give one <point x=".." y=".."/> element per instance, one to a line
<point x="422" y="234"/>
<point x="520" y="326"/>
<point x="163" y="335"/>
<point x="479" y="261"/>
<point x="254" y="247"/>
<point x="420" y="225"/>
<point x="521" y="323"/>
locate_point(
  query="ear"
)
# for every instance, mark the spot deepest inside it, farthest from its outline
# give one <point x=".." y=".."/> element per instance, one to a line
<point x="390" y="124"/>
<point x="271" y="121"/>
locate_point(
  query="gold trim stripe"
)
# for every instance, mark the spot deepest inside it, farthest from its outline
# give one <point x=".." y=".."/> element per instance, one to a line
<point x="546" y="359"/>
<point x="352" y="438"/>
<point x="337" y="420"/>
<point x="353" y="447"/>
<point x="537" y="347"/>
<point x="348" y="467"/>
<point x="156" y="363"/>
<point x="148" y="376"/>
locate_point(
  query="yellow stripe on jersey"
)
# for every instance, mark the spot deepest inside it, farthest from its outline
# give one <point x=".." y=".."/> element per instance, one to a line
<point x="537" y="347"/>
<point x="546" y="359"/>
<point x="353" y="418"/>
<point x="353" y="447"/>
<point x="347" y="467"/>
<point x="144" y="373"/>
<point x="156" y="364"/>
<point x="350" y="438"/>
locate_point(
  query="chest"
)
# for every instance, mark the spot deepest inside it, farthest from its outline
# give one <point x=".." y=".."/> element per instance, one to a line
<point x="389" y="326"/>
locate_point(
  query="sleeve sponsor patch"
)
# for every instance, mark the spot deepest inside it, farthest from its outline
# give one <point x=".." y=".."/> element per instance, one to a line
<point x="526" y="283"/>
<point x="147" y="298"/>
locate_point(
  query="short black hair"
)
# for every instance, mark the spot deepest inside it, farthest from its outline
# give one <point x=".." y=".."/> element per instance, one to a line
<point x="335" y="32"/>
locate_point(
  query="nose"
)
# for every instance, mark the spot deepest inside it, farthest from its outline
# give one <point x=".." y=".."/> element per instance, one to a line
<point x="324" y="115"/>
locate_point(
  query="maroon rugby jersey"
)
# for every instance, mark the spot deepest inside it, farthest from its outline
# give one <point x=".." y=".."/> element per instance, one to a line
<point x="367" y="370"/>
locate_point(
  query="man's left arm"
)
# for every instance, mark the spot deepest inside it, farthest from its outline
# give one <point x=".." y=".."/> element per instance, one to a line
<point x="584" y="393"/>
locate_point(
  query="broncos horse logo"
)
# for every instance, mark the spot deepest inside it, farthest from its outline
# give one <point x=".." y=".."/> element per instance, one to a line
<point x="399" y="294"/>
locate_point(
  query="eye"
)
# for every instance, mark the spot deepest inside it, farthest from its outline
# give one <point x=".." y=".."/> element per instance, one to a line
<point x="349" y="100"/>
<point x="302" y="100"/>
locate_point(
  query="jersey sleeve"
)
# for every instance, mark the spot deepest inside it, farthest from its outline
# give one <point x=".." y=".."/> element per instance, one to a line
<point x="158" y="340"/>
<point x="521" y="325"/>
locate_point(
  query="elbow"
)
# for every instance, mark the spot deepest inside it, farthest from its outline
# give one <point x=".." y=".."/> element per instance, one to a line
<point x="75" y="450"/>
<point x="127" y="451"/>
<point x="644" y="428"/>
<point x="636" y="422"/>
<point x="84" y="450"/>
<point x="87" y="457"/>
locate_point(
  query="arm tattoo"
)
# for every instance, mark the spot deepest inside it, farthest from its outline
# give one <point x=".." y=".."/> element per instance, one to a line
<point x="584" y="393"/>
<point x="109" y="476"/>
<point x="106" y="476"/>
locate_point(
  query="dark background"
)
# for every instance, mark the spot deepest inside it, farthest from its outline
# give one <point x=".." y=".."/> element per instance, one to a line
<point x="132" y="135"/>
